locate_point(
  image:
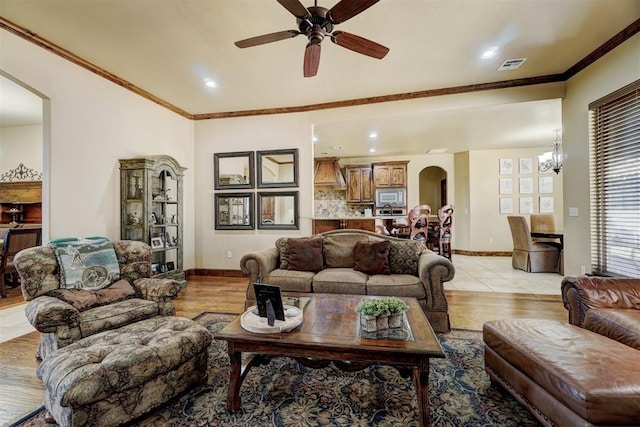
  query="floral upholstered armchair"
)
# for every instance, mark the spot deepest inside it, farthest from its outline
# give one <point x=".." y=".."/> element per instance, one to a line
<point x="65" y="315"/>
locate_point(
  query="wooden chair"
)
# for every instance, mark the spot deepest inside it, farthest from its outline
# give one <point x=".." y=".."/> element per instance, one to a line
<point x="419" y="222"/>
<point x="527" y="255"/>
<point x="15" y="240"/>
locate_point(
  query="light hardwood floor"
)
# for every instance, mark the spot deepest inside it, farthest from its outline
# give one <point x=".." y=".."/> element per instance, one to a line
<point x="21" y="391"/>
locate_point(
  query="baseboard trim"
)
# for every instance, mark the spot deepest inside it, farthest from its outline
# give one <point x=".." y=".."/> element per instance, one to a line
<point x="213" y="272"/>
<point x="481" y="253"/>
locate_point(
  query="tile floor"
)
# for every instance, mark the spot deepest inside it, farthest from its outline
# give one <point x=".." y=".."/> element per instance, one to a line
<point x="495" y="274"/>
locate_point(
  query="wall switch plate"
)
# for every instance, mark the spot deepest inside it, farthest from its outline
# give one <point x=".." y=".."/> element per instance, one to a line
<point x="573" y="211"/>
<point x="229" y="254"/>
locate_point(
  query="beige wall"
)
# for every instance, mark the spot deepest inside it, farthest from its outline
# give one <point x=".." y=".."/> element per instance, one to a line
<point x="90" y="123"/>
<point x="615" y="70"/>
<point x="21" y="144"/>
<point x="488" y="228"/>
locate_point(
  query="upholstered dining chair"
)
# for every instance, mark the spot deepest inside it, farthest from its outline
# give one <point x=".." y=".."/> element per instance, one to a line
<point x="544" y="223"/>
<point x="15" y="240"/>
<point x="419" y="222"/>
<point x="527" y="255"/>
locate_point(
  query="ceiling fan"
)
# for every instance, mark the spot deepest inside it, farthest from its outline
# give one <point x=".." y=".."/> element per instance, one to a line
<point x="317" y="23"/>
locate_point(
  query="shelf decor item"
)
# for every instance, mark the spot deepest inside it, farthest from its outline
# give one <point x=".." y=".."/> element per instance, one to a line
<point x="381" y="313"/>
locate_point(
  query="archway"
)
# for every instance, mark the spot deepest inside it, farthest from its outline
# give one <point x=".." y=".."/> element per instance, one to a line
<point x="432" y="187"/>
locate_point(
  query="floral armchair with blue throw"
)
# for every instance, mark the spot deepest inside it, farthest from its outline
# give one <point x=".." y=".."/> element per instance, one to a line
<point x="77" y="288"/>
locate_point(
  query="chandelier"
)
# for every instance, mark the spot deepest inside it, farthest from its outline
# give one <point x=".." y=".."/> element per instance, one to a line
<point x="552" y="160"/>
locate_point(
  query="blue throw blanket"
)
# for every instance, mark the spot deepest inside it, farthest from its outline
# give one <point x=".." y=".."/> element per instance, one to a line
<point x="90" y="263"/>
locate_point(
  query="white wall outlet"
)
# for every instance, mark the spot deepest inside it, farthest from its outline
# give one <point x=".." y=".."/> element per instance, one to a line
<point x="229" y="254"/>
<point x="490" y="239"/>
<point x="573" y="211"/>
<point x="583" y="269"/>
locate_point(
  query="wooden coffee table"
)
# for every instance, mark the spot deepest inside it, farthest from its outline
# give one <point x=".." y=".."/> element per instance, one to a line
<point x="329" y="333"/>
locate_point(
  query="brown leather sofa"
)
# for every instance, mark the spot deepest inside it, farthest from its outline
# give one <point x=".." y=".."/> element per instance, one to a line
<point x="582" y="373"/>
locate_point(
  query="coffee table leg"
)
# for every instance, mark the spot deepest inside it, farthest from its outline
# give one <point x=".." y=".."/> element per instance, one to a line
<point x="235" y="379"/>
<point x="421" y="381"/>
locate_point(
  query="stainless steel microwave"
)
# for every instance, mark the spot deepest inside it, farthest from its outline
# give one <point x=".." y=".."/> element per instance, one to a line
<point x="390" y="197"/>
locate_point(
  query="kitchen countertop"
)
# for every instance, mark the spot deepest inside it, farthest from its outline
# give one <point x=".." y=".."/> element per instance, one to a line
<point x="335" y="218"/>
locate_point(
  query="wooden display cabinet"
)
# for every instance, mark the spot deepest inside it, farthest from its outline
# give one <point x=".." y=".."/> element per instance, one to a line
<point x="21" y="202"/>
<point x="151" y="210"/>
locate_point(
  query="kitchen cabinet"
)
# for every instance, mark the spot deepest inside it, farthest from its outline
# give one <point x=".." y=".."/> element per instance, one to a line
<point x="322" y="225"/>
<point x="359" y="184"/>
<point x="151" y="210"/>
<point x="390" y="174"/>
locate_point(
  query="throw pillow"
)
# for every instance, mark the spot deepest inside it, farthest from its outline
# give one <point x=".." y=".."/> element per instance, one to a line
<point x="305" y="254"/>
<point x="372" y="257"/>
<point x="338" y="250"/>
<point x="404" y="256"/>
<point x="83" y="299"/>
<point x="89" y="263"/>
<point x="281" y="244"/>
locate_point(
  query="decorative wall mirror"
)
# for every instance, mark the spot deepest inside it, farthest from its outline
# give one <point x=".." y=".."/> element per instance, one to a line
<point x="278" y="210"/>
<point x="234" y="211"/>
<point x="278" y="168"/>
<point x="233" y="170"/>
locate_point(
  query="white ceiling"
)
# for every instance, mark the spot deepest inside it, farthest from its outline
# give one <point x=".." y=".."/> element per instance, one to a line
<point x="169" y="47"/>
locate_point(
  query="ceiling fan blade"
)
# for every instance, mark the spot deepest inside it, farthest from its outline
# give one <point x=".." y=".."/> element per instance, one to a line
<point x="359" y="44"/>
<point x="295" y="7"/>
<point x="347" y="9"/>
<point x="311" y="59"/>
<point x="267" y="38"/>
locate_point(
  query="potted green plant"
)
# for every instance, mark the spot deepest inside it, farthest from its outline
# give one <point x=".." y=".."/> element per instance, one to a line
<point x="381" y="313"/>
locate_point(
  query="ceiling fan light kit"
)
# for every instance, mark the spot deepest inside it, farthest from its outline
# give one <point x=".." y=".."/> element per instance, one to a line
<point x="316" y="23"/>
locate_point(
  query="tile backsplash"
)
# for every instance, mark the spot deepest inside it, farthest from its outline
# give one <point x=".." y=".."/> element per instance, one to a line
<point x="333" y="204"/>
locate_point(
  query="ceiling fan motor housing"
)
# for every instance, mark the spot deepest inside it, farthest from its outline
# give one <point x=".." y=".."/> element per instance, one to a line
<point x="317" y="26"/>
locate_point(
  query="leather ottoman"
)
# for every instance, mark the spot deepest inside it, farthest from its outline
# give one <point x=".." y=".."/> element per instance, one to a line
<point x="564" y="375"/>
<point x="112" y="377"/>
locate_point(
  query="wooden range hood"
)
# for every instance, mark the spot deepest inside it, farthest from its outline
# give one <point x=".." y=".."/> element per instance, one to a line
<point x="327" y="174"/>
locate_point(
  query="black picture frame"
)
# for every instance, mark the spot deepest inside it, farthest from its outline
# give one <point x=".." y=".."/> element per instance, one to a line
<point x="226" y="166"/>
<point x="269" y="215"/>
<point x="271" y="293"/>
<point x="286" y="160"/>
<point x="234" y="211"/>
<point x="171" y="266"/>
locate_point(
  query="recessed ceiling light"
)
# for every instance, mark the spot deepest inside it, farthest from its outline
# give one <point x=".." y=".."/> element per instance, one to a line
<point x="315" y="139"/>
<point x="373" y="135"/>
<point x="372" y="150"/>
<point x="337" y="147"/>
<point x="210" y="83"/>
<point x="436" y="150"/>
<point x="489" y="53"/>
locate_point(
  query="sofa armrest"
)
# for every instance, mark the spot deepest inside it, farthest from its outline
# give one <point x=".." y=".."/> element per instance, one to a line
<point x="157" y="289"/>
<point x="580" y="294"/>
<point x="47" y="314"/>
<point x="259" y="263"/>
<point x="433" y="271"/>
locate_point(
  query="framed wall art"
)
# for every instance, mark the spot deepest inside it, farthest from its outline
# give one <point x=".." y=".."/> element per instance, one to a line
<point x="506" y="166"/>
<point x="526" y="205"/>
<point x="546" y="204"/>
<point x="525" y="165"/>
<point x="526" y="185"/>
<point x="506" y="185"/>
<point x="545" y="184"/>
<point x="506" y="205"/>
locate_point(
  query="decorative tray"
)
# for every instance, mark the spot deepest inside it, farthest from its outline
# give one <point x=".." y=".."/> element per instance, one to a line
<point x="254" y="323"/>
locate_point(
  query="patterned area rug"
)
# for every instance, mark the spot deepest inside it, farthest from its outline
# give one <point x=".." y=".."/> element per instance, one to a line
<point x="284" y="393"/>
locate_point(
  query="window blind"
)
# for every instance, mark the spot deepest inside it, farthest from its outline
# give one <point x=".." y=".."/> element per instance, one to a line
<point x="615" y="183"/>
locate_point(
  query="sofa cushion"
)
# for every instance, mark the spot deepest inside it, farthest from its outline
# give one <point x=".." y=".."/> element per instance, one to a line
<point x="372" y="257"/>
<point x="290" y="280"/>
<point x="305" y="254"/>
<point x="397" y="285"/>
<point x="84" y="299"/>
<point x="338" y="249"/>
<point x="281" y="244"/>
<point x="340" y="281"/>
<point x="622" y="325"/>
<point x="404" y="256"/>
<point x="115" y="315"/>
